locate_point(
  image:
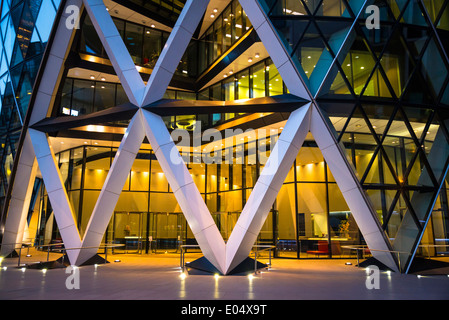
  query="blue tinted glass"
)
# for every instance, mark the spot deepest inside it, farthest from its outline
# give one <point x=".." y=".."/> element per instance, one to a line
<point x="9" y="39"/>
<point x="5" y="8"/>
<point x="56" y="3"/>
<point x="45" y="20"/>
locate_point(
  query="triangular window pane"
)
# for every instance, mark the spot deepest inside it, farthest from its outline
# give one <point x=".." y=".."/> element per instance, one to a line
<point x="417" y="90"/>
<point x="288" y="7"/>
<point x="413" y="14"/>
<point x="416" y="38"/>
<point x="443" y="23"/>
<point x="290" y="31"/>
<point x="433" y="67"/>
<point x="334" y="32"/>
<point x="397" y="62"/>
<point x="334" y="8"/>
<point x="433" y="7"/>
<point x="309" y="51"/>
<point x="335" y="83"/>
<point x="377" y="86"/>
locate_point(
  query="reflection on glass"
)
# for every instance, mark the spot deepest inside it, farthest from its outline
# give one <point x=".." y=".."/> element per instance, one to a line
<point x="258" y="80"/>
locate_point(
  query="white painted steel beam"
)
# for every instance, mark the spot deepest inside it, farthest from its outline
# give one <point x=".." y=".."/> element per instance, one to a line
<point x="350" y="187"/>
<point x="189" y="198"/>
<point x="116" y="49"/>
<point x="173" y="50"/>
<point x="267" y="187"/>
<point x="112" y="188"/>
<point x="276" y="49"/>
<point x="56" y="191"/>
<point x="20" y="199"/>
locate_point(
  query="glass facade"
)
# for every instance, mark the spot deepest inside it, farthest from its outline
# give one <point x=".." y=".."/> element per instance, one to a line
<point x="24" y="30"/>
<point x="384" y="93"/>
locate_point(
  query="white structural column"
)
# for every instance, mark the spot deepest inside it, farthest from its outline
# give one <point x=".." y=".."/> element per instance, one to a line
<point x="44" y="96"/>
<point x="189" y="198"/>
<point x="54" y="185"/>
<point x="275" y="48"/>
<point x="173" y="50"/>
<point x="267" y="187"/>
<point x="45" y="92"/>
<point x="352" y="191"/>
<point x="116" y="49"/>
<point x="20" y="199"/>
<point x="112" y="188"/>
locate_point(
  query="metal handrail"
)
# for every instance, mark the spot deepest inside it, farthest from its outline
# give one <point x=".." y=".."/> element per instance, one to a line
<point x="362" y="247"/>
<point x="267" y="248"/>
<point x="105" y="246"/>
<point x="433" y="246"/>
<point x="182" y="254"/>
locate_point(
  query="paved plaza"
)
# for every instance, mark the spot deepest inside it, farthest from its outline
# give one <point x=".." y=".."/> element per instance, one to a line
<point x="158" y="277"/>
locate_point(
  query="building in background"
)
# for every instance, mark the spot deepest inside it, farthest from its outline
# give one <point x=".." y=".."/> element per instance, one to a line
<point x="383" y="94"/>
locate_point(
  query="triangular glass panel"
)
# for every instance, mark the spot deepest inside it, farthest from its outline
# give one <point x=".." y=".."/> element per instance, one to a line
<point x="433" y="8"/>
<point x="416" y="38"/>
<point x="445" y="95"/>
<point x="17" y="56"/>
<point x="336" y="114"/>
<point x="379" y="116"/>
<point x="377" y="38"/>
<point x="369" y="168"/>
<point x="443" y="22"/>
<point x="413" y="14"/>
<point x="397" y="62"/>
<point x="362" y="64"/>
<point x="377" y="86"/>
<point x="337" y="83"/>
<point x="397" y="6"/>
<point x="313" y="5"/>
<point x="418" y="118"/>
<point x="433" y="67"/>
<point x="285" y="7"/>
<point x="419" y="174"/>
<point x="389" y="198"/>
<point x="310" y="50"/>
<point x="333" y="8"/>
<point x="396" y="213"/>
<point x="356" y="6"/>
<point x="417" y="90"/>
<point x="334" y="32"/>
<point x="376" y="197"/>
<point x="289" y="31"/>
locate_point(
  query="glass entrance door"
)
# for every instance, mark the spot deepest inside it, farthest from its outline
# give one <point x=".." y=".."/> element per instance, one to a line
<point x="168" y="231"/>
<point x="127" y="230"/>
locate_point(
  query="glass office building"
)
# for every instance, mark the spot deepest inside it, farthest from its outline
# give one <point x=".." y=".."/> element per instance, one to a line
<point x="382" y="91"/>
